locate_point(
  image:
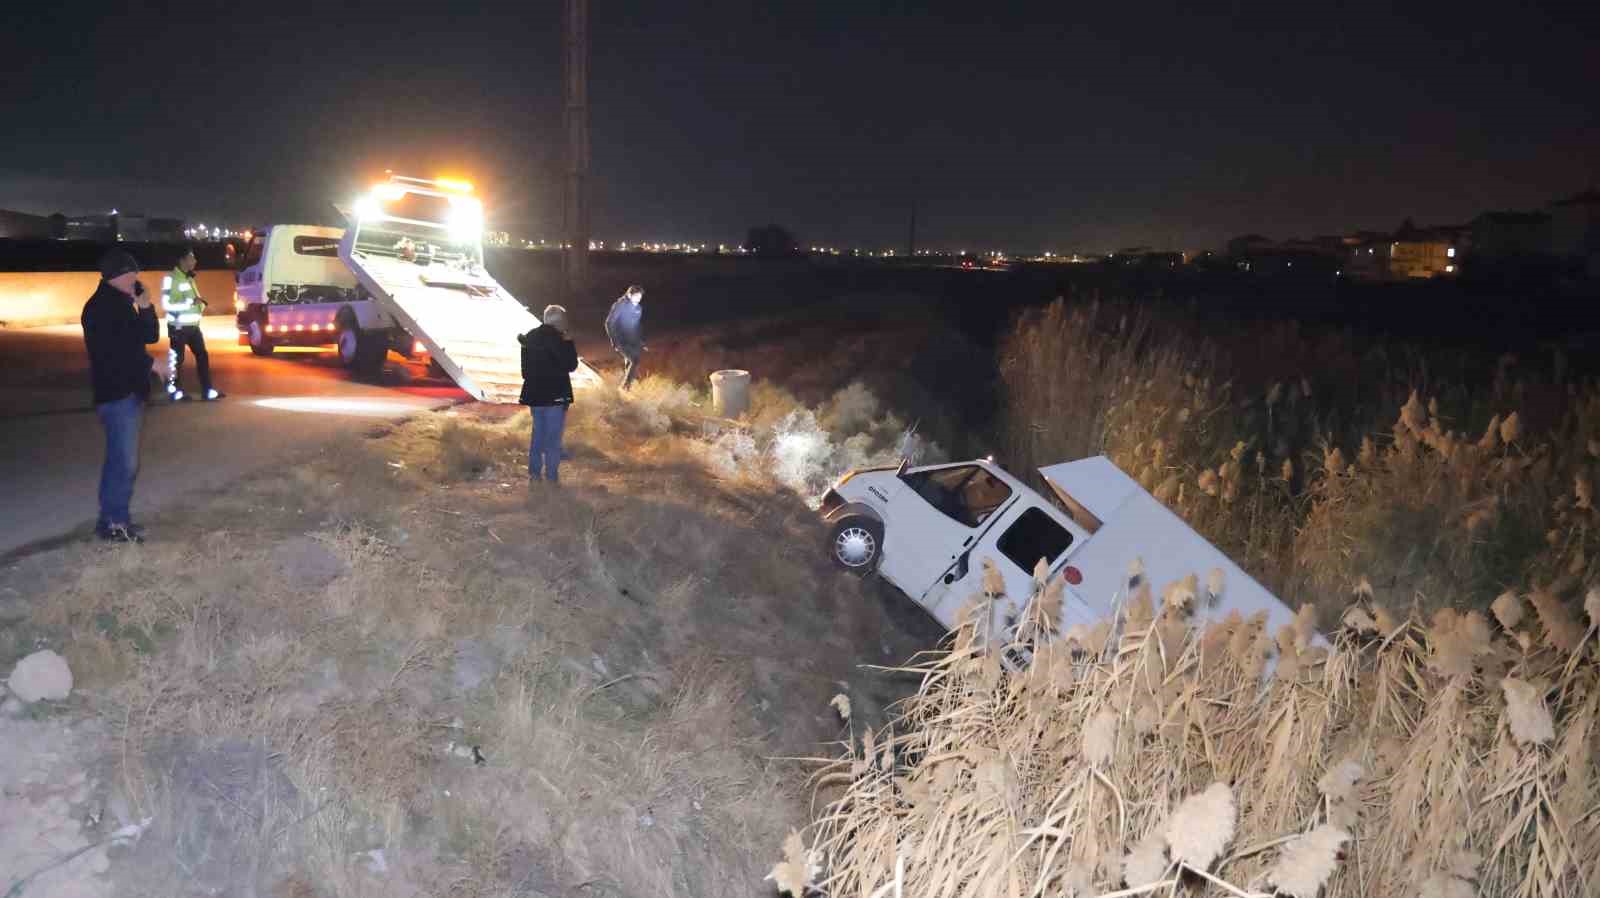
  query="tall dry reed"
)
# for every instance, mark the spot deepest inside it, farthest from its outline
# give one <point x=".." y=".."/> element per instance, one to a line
<point x="1411" y="756"/>
<point x="1366" y="464"/>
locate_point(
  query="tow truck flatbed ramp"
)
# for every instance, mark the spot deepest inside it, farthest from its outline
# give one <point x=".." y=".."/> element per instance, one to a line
<point x="467" y="321"/>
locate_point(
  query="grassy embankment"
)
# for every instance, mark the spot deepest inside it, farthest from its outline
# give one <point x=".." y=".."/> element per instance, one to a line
<point x="397" y="645"/>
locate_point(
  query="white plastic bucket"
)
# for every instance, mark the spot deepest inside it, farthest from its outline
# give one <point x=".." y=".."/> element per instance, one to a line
<point x="730" y="393"/>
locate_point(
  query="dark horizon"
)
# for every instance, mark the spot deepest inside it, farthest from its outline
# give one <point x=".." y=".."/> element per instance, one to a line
<point x="1102" y="129"/>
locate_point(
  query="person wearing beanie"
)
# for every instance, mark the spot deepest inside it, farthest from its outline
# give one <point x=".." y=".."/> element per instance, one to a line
<point x="548" y="360"/>
<point x="180" y="298"/>
<point x="118" y="322"/>
<point x="625" y="328"/>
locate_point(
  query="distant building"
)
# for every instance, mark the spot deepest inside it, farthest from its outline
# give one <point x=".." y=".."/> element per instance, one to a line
<point x="22" y="226"/>
<point x="131" y="227"/>
<point x="164" y="230"/>
<point x="1505" y="235"/>
<point x="1410" y="253"/>
<point x="1421" y="257"/>
<point x="1575" y="230"/>
<point x="99" y="228"/>
<point x="1249" y="245"/>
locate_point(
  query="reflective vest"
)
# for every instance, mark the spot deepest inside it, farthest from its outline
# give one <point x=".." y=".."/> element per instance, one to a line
<point x="181" y="299"/>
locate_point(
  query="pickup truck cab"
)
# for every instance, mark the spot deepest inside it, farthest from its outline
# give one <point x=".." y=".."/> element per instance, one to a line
<point x="928" y="530"/>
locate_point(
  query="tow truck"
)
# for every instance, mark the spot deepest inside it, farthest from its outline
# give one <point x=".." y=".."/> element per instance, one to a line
<point x="927" y="531"/>
<point x="406" y="275"/>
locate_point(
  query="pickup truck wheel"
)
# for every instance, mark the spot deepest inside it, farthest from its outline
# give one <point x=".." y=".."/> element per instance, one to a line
<point x="260" y="344"/>
<point x="856" y="544"/>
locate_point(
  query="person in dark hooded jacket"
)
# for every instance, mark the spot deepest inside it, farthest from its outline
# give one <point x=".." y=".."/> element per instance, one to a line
<point x="625" y="328"/>
<point x="119" y="320"/>
<point x="548" y="360"/>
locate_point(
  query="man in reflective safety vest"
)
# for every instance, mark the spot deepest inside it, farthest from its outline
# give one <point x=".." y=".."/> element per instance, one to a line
<point x="180" y="298"/>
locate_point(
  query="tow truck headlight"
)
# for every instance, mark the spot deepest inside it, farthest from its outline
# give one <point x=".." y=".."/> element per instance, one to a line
<point x="466" y="221"/>
<point x="368" y="207"/>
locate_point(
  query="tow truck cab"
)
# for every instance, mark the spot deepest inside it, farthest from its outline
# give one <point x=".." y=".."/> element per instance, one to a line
<point x="295" y="291"/>
<point x="928" y="530"/>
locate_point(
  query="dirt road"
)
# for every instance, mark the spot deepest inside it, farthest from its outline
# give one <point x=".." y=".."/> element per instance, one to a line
<point x="51" y="445"/>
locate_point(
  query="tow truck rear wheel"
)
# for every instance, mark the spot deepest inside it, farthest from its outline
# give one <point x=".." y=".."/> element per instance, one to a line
<point x="363" y="352"/>
<point x="855" y="544"/>
<point x="260" y="343"/>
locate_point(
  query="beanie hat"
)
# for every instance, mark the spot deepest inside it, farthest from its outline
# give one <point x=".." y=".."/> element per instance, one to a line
<point x="117" y="262"/>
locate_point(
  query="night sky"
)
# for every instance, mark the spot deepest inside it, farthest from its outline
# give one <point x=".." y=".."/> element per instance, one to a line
<point x="1058" y="125"/>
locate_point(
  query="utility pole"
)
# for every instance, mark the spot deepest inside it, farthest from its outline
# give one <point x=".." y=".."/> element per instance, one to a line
<point x="576" y="69"/>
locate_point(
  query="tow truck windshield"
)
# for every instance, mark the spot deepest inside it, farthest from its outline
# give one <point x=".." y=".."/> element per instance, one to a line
<point x="424" y="240"/>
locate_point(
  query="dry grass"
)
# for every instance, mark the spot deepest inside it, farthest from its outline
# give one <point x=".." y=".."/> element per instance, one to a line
<point x="288" y="702"/>
<point x="1430" y="757"/>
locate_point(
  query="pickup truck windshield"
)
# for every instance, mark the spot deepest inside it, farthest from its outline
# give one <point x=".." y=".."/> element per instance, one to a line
<point x="967" y="493"/>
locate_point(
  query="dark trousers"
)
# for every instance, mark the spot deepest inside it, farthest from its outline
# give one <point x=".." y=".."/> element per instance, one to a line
<point x="121" y="420"/>
<point x="630" y="364"/>
<point x="177" y="339"/>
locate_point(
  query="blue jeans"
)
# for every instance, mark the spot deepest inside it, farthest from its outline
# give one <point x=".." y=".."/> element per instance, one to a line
<point x="544" y="452"/>
<point x="121" y="420"/>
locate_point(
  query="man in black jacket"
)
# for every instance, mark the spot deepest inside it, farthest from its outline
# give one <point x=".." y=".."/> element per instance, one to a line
<point x="548" y="360"/>
<point x="118" y="322"/>
<point x="625" y="328"/>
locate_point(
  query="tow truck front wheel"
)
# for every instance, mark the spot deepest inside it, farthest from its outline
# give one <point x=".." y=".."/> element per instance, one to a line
<point x="855" y="544"/>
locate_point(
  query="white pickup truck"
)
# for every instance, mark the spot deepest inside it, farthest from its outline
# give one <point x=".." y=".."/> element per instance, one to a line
<point x="927" y="530"/>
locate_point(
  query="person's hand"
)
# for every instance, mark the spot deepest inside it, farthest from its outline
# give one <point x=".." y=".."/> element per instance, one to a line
<point x="141" y="295"/>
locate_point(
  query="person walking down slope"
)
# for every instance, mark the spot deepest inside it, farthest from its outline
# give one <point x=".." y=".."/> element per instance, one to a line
<point x="548" y="360"/>
<point x="625" y="328"/>
<point x="118" y="322"/>
<point x="180" y="297"/>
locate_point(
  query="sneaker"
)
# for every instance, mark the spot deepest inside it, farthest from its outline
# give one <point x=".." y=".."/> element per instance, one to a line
<point x="120" y="533"/>
<point x="176" y="395"/>
<point x="214" y="395"/>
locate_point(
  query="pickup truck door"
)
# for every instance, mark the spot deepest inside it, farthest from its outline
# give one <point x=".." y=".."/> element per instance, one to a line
<point x="1021" y="534"/>
<point x="934" y="520"/>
